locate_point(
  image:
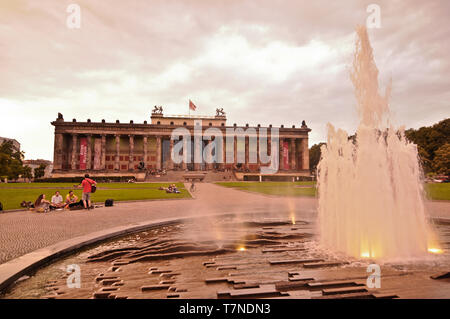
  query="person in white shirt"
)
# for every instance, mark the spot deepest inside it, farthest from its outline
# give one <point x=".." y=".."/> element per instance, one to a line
<point x="57" y="201"/>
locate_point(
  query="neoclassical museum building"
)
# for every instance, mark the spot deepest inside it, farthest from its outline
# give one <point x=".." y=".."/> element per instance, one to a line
<point x="136" y="149"/>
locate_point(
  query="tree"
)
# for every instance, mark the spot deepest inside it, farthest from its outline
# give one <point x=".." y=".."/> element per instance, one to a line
<point x="11" y="165"/>
<point x="441" y="163"/>
<point x="27" y="172"/>
<point x="314" y="155"/>
<point x="39" y="171"/>
<point x="429" y="140"/>
<point x="424" y="158"/>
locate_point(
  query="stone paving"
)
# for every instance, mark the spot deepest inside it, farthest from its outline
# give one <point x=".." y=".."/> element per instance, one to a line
<point x="24" y="232"/>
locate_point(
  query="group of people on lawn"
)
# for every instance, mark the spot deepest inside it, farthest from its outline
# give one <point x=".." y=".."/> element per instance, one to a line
<point x="43" y="205"/>
<point x="57" y="202"/>
<point x="171" y="189"/>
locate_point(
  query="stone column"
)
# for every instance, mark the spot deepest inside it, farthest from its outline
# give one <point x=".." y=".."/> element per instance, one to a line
<point x="89" y="152"/>
<point x="293" y="154"/>
<point x="224" y="151"/>
<point x="247" y="150"/>
<point x="103" y="158"/>
<point x="197" y="150"/>
<point x="145" y="141"/>
<point x="158" y="152"/>
<point x="209" y="165"/>
<point x="131" y="154"/>
<point x="171" y="166"/>
<point x="73" y="162"/>
<point x="185" y="153"/>
<point x="58" y="151"/>
<point x="258" y="159"/>
<point x="235" y="150"/>
<point x="281" y="146"/>
<point x="305" y="154"/>
<point x="117" y="159"/>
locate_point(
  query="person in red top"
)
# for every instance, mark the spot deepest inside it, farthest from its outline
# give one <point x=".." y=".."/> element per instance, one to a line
<point x="87" y="190"/>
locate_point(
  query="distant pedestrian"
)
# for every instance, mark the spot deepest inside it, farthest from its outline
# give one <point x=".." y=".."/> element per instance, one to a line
<point x="87" y="184"/>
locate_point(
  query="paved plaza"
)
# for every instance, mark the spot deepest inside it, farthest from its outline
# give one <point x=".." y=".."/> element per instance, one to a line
<point x="24" y="232"/>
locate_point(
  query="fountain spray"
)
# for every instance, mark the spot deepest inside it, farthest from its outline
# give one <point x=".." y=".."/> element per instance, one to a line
<point x="371" y="202"/>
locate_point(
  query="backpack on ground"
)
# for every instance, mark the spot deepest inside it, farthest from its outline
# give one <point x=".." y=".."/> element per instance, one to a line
<point x="109" y="202"/>
<point x="1" y="207"/>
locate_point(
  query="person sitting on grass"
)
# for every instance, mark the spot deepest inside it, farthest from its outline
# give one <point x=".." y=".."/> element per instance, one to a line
<point x="175" y="189"/>
<point x="172" y="189"/>
<point x="41" y="205"/>
<point x="57" y="201"/>
<point x="71" y="200"/>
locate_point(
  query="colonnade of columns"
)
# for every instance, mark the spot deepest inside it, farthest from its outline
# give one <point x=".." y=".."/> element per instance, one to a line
<point x="295" y="161"/>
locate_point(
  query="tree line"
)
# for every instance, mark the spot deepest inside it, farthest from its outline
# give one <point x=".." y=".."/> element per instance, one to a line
<point x="11" y="164"/>
<point x="433" y="146"/>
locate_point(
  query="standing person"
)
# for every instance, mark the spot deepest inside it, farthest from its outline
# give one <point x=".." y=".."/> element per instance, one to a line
<point x="87" y="184"/>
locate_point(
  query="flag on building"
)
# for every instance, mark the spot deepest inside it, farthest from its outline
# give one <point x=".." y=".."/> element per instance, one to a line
<point x="192" y="106"/>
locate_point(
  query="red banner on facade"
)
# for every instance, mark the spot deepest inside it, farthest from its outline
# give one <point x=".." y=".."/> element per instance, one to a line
<point x="285" y="154"/>
<point x="83" y="153"/>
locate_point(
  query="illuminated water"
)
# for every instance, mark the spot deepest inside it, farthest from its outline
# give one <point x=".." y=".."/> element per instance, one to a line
<point x="371" y="200"/>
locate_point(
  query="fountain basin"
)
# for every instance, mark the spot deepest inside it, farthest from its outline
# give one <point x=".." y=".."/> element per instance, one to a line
<point x="233" y="256"/>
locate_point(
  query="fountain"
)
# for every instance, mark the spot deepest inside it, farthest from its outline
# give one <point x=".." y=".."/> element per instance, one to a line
<point x="371" y="201"/>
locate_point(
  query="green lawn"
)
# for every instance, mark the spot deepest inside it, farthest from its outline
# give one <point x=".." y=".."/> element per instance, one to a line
<point x="275" y="188"/>
<point x="434" y="191"/>
<point x="72" y="185"/>
<point x="438" y="191"/>
<point x="11" y="195"/>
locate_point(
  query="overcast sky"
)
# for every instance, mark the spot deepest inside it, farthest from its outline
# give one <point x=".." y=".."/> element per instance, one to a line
<point x="263" y="61"/>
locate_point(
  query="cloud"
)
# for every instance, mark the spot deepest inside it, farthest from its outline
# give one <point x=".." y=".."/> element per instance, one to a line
<point x="264" y="62"/>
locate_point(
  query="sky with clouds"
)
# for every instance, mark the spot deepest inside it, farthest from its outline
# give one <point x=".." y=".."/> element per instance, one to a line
<point x="263" y="61"/>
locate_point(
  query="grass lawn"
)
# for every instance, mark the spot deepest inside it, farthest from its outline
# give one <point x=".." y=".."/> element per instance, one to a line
<point x="12" y="196"/>
<point x="99" y="185"/>
<point x="439" y="191"/>
<point x="275" y="188"/>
